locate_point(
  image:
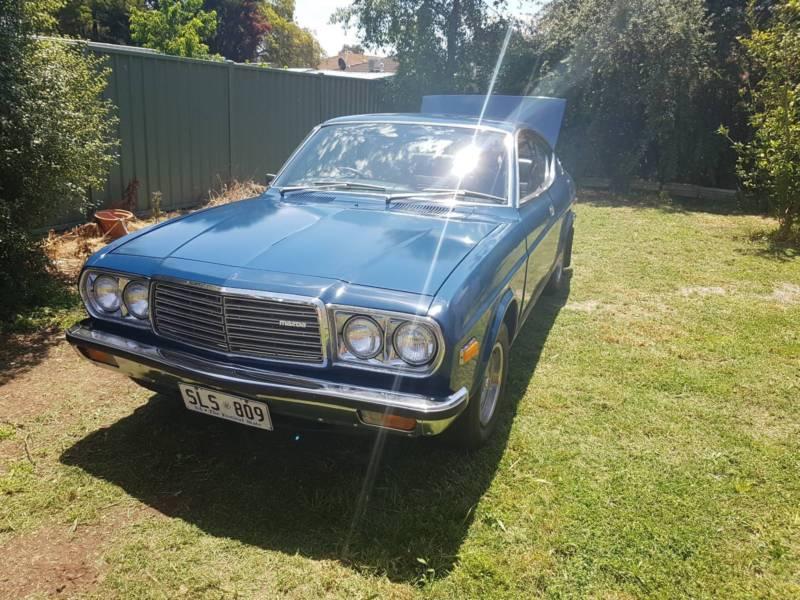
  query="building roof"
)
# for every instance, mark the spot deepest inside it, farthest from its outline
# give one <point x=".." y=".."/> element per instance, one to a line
<point x="337" y="73"/>
<point x="360" y="63"/>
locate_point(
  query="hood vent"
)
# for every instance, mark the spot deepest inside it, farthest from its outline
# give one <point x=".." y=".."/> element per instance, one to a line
<point x="423" y="208"/>
<point x="310" y="196"/>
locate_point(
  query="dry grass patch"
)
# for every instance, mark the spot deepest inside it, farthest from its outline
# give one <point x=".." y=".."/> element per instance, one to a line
<point x="68" y="250"/>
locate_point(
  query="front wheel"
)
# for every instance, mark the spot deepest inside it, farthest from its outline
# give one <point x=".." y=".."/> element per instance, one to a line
<point x="479" y="420"/>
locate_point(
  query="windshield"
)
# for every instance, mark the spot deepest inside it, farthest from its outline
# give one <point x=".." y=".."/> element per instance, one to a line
<point x="402" y="157"/>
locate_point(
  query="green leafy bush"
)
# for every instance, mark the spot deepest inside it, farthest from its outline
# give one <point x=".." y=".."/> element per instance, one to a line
<point x="179" y="27"/>
<point x="769" y="164"/>
<point x="56" y="142"/>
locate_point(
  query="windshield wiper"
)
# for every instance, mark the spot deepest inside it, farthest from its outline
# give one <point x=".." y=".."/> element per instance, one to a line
<point x="463" y="192"/>
<point x="293" y="188"/>
<point x="436" y="192"/>
<point x="350" y="185"/>
<point x="355" y="185"/>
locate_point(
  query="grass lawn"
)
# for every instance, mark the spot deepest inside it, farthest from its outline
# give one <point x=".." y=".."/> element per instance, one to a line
<point x="650" y="448"/>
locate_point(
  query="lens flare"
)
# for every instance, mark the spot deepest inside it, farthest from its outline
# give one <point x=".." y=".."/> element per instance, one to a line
<point x="466" y="160"/>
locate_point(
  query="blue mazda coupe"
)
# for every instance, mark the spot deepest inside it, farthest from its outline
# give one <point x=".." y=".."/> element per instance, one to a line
<point x="379" y="282"/>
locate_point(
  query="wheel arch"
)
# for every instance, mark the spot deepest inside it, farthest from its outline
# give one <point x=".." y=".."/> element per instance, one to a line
<point x="505" y="311"/>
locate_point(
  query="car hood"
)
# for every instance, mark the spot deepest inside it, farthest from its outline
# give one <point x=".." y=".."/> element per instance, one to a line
<point x="362" y="245"/>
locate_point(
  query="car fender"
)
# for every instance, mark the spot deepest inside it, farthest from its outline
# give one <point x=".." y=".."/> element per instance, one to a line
<point x="498" y="317"/>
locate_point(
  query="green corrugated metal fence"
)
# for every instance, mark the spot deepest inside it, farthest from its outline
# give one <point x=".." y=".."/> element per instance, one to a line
<point x="187" y="126"/>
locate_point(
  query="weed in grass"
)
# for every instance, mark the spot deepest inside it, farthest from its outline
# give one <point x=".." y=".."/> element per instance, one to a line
<point x="7" y="431"/>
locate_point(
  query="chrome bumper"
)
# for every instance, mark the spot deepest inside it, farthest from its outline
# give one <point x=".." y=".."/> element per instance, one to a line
<point x="287" y="394"/>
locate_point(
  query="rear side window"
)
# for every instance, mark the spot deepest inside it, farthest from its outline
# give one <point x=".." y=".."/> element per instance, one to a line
<point x="535" y="165"/>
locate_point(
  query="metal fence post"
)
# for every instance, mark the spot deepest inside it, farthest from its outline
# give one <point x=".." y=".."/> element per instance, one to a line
<point x="230" y="119"/>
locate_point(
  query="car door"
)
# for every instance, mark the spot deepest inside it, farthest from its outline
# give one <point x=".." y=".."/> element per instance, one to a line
<point x="536" y="169"/>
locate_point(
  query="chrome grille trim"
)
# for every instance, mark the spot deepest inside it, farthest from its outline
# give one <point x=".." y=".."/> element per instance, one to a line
<point x="241" y="322"/>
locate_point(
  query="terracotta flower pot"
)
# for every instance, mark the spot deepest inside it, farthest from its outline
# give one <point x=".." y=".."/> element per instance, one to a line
<point x="113" y="222"/>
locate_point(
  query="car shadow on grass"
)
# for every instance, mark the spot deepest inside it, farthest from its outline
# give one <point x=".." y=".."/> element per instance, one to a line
<point x="312" y="492"/>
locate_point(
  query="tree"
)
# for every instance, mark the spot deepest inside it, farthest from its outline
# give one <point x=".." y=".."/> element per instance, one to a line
<point x="241" y="27"/>
<point x="441" y="45"/>
<point x="56" y="141"/>
<point x="98" y="20"/>
<point x="631" y="71"/>
<point x="288" y="44"/>
<point x="179" y="27"/>
<point x="769" y="163"/>
<point x="713" y="161"/>
<point x="352" y="48"/>
<point x="40" y="16"/>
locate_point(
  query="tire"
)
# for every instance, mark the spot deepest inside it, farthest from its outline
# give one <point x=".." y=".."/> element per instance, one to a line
<point x="558" y="279"/>
<point x="477" y="423"/>
<point x="568" y="248"/>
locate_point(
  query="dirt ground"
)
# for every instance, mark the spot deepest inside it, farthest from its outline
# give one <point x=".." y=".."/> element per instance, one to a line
<point x="55" y="560"/>
<point x="58" y="561"/>
<point x="45" y="388"/>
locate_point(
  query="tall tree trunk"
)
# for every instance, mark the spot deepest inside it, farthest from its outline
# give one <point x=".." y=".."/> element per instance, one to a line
<point x="453" y="25"/>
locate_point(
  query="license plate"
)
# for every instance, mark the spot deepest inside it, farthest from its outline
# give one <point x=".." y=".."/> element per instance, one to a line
<point x="225" y="406"/>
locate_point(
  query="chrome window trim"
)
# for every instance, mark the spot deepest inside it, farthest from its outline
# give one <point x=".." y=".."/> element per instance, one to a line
<point x="417" y="122"/>
<point x="292" y="156"/>
<point x="510" y="154"/>
<point x="550" y="176"/>
<point x="390" y="363"/>
<point x="124" y="317"/>
<point x="322" y="317"/>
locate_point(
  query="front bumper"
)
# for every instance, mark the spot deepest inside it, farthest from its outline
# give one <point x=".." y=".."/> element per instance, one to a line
<point x="286" y="394"/>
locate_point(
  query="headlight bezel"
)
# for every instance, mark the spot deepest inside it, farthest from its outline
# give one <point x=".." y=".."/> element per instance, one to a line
<point x="352" y="322"/>
<point x="115" y="294"/>
<point x="388" y="359"/>
<point x="122" y="313"/>
<point x="128" y="303"/>
<point x="423" y="327"/>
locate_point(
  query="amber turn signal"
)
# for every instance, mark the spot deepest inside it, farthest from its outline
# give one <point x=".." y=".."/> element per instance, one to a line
<point x="469" y="351"/>
<point x="99" y="356"/>
<point x="390" y="421"/>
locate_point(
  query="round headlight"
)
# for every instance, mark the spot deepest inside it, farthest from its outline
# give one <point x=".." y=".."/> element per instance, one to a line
<point x="363" y="337"/>
<point x="415" y="343"/>
<point x="106" y="293"/>
<point x="136" y="299"/>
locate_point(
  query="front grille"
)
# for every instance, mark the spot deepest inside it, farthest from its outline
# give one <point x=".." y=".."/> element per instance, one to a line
<point x="189" y="315"/>
<point x="271" y="328"/>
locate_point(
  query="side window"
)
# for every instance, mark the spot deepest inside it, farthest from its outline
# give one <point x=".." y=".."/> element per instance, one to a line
<point x="535" y="165"/>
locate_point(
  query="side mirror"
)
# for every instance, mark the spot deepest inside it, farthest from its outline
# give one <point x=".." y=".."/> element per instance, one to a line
<point x="269" y="178"/>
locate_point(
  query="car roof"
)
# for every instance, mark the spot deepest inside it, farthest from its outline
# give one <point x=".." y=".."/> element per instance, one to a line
<point x="426" y="118"/>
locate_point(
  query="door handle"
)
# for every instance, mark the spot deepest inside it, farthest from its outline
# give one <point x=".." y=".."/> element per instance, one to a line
<point x="552" y="210"/>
